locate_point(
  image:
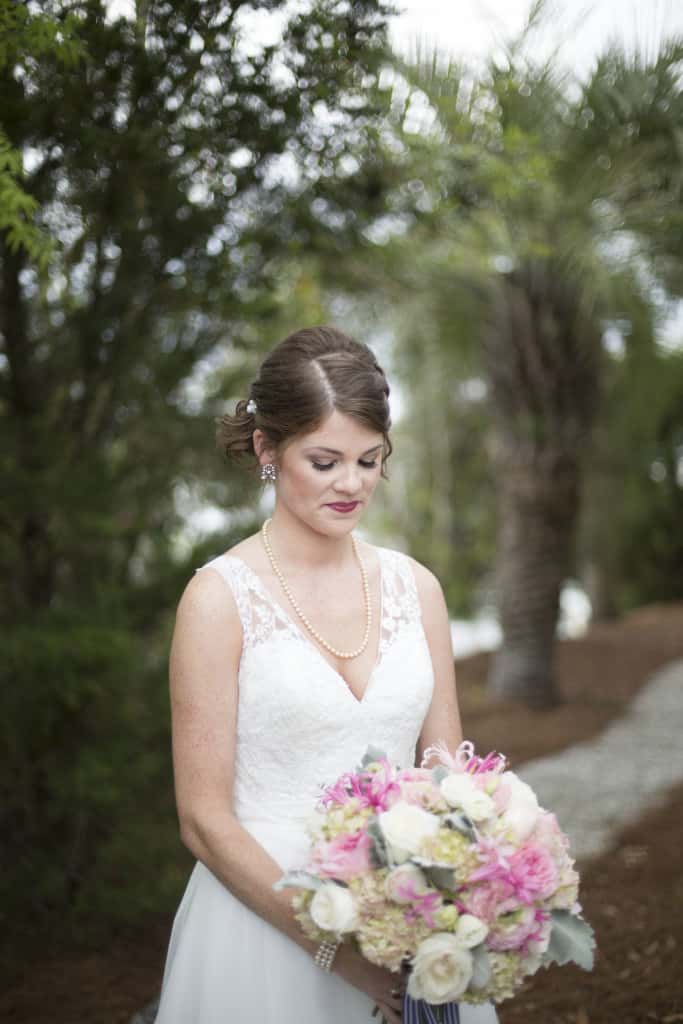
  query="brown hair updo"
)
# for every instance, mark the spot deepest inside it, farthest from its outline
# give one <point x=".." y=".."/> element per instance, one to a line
<point x="300" y="383"/>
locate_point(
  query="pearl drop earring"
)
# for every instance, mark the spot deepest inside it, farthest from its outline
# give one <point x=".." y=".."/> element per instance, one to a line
<point x="268" y="472"/>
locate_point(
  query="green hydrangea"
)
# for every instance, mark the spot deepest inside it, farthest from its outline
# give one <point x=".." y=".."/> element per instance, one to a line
<point x="346" y="818"/>
<point x="388" y="938"/>
<point x="505" y="975"/>
<point x="451" y="847"/>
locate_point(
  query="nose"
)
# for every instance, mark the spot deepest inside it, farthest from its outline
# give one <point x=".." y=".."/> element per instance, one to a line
<point x="349" y="481"/>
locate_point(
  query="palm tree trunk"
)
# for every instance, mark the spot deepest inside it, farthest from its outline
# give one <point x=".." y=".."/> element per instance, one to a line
<point x="542" y="352"/>
<point x="538" y="506"/>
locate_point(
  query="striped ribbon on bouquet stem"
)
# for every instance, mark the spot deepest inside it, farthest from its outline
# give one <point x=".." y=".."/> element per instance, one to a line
<point x="417" y="1011"/>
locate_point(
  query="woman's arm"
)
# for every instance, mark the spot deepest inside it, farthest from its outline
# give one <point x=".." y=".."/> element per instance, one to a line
<point x="442" y="721"/>
<point x="204" y="663"/>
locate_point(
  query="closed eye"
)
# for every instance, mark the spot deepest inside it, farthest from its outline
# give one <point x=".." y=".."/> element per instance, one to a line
<point x="322" y="466"/>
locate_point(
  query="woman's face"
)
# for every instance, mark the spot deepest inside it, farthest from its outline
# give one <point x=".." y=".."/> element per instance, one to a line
<point x="338" y="464"/>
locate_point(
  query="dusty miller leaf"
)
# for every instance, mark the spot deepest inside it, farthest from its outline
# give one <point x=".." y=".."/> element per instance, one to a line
<point x="571" y="939"/>
<point x="481" y="966"/>
<point x="378" y="851"/>
<point x="371" y="755"/>
<point x="459" y="821"/>
<point x="441" y="876"/>
<point x="301" y="879"/>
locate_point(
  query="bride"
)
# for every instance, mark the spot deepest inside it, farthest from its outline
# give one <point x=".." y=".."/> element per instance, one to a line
<point x="292" y="652"/>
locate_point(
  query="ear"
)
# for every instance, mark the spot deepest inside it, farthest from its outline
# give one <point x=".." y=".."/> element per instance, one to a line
<point x="264" y="450"/>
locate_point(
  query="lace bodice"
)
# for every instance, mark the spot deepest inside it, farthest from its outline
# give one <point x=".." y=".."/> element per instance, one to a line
<point x="299" y="726"/>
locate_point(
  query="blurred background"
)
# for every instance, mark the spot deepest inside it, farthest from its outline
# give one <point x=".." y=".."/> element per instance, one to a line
<point x="490" y="196"/>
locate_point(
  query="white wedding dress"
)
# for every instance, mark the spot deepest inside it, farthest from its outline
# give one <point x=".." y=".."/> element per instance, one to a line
<point x="299" y="727"/>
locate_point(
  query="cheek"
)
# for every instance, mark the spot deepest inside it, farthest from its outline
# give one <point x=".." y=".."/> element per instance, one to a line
<point x="305" y="480"/>
<point x="376" y="477"/>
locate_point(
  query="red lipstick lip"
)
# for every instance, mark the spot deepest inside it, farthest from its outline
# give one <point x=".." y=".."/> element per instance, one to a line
<point x="341" y="506"/>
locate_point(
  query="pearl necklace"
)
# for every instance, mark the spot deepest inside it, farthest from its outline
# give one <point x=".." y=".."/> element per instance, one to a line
<point x="303" y="617"/>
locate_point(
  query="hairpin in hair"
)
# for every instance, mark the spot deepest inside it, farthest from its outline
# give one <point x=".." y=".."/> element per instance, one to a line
<point x="251" y="406"/>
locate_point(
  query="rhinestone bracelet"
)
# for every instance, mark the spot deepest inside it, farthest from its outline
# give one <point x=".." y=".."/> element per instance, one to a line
<point x="325" y="954"/>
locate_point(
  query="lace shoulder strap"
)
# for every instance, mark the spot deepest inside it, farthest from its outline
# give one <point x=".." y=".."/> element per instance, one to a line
<point x="401" y="602"/>
<point x="259" y="615"/>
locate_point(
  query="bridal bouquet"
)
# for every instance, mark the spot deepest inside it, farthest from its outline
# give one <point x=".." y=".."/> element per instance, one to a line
<point x="453" y="872"/>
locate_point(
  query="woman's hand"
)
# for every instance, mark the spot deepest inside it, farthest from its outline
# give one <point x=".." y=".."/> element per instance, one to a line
<point x="381" y="984"/>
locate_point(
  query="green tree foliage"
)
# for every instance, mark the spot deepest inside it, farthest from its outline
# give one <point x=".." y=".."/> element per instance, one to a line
<point x="27" y="34"/>
<point x="169" y="164"/>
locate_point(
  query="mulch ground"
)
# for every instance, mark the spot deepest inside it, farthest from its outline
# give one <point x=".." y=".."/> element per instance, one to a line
<point x="597" y="674"/>
<point x="633" y="897"/>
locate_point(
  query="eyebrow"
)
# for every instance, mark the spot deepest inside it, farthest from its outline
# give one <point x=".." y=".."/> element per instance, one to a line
<point x="333" y="451"/>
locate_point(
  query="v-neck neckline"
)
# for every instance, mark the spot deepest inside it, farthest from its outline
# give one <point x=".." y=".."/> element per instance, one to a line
<point x="305" y="639"/>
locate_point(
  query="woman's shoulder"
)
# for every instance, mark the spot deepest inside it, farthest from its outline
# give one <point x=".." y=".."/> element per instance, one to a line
<point x="248" y="549"/>
<point x="427" y="584"/>
<point x="202" y="608"/>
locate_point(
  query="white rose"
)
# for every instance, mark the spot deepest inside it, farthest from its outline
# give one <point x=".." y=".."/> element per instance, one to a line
<point x="456" y="788"/>
<point x="333" y="908"/>
<point x="460" y="791"/>
<point x="523" y="810"/>
<point x="404" y="826"/>
<point x="441" y="969"/>
<point x="471" y="930"/>
<point x="404" y="880"/>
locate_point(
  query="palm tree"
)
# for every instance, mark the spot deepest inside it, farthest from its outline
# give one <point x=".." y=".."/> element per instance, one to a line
<point x="539" y="201"/>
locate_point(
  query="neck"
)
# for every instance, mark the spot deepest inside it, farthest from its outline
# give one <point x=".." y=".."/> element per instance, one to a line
<point x="298" y="546"/>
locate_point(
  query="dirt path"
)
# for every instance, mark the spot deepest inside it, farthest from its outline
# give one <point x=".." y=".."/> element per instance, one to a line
<point x="598" y="787"/>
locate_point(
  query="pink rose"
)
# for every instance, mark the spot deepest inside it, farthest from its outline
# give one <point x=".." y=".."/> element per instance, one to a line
<point x="423" y="794"/>
<point x="344" y="857"/>
<point x="405" y="883"/>
<point x="489" y="899"/>
<point x="533" y="872"/>
<point x="513" y="930"/>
